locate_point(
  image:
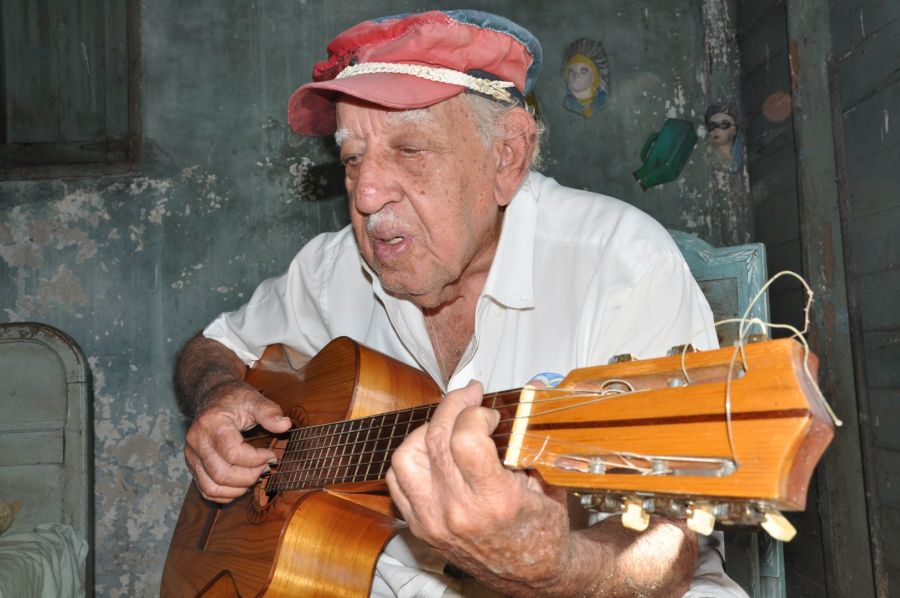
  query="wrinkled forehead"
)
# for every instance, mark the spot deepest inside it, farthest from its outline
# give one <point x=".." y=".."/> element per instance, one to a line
<point x="417" y="116"/>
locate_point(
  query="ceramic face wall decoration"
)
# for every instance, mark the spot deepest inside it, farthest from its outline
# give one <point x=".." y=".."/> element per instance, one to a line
<point x="723" y="136"/>
<point x="585" y="69"/>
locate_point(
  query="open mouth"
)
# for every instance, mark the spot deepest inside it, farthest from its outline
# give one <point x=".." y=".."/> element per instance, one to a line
<point x="390" y="246"/>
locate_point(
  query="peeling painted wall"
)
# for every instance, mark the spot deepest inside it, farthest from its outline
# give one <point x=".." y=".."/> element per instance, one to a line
<point x="132" y="265"/>
<point x="866" y="44"/>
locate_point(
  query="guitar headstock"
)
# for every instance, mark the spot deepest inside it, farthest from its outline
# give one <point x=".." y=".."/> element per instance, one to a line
<point x="714" y="435"/>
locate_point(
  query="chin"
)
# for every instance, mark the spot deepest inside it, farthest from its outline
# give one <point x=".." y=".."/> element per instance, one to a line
<point x="419" y="295"/>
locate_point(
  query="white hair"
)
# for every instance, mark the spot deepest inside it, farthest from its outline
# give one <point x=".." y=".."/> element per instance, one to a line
<point x="488" y="116"/>
<point x="485" y="112"/>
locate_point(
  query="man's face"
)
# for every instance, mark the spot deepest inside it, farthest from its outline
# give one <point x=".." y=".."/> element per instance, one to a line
<point x="422" y="196"/>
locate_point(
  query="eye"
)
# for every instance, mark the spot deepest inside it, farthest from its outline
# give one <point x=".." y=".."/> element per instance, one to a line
<point x="410" y="151"/>
<point x="351" y="160"/>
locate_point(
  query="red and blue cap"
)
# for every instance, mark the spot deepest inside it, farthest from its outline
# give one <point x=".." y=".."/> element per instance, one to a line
<point x="413" y="61"/>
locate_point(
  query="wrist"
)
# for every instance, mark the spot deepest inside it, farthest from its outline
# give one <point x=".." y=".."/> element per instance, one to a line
<point x="218" y="390"/>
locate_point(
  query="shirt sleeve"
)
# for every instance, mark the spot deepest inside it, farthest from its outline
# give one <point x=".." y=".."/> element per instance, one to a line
<point x="664" y="308"/>
<point x="289" y="309"/>
<point x="710" y="579"/>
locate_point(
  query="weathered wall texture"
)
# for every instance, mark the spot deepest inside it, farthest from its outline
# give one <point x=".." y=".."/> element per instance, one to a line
<point x="771" y="152"/>
<point x="132" y="265"/>
<point x="864" y="39"/>
<point x="866" y="45"/>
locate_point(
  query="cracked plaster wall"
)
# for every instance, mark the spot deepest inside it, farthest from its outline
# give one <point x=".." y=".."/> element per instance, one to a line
<point x="132" y="265"/>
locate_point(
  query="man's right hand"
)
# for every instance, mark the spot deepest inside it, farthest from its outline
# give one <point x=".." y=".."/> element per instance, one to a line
<point x="222" y="463"/>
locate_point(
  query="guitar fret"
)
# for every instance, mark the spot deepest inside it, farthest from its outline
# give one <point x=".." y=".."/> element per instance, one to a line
<point x="315" y="463"/>
<point x="355" y="426"/>
<point x="324" y="453"/>
<point x="370" y="444"/>
<point x="356" y="450"/>
<point x="364" y="451"/>
<point x="376" y="446"/>
<point x="330" y="450"/>
<point x="301" y="470"/>
<point x="341" y="454"/>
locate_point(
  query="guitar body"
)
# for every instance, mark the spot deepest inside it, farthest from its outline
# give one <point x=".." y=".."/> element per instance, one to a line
<point x="298" y="543"/>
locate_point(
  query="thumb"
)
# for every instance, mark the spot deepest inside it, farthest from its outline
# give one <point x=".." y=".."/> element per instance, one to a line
<point x="472" y="394"/>
<point x="268" y="414"/>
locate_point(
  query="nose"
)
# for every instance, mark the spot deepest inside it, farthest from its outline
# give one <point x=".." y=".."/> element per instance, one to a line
<point x="372" y="185"/>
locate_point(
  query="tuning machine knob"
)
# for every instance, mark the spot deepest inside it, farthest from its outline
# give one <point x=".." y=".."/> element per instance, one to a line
<point x="778" y="526"/>
<point x="635" y="517"/>
<point x="702" y="520"/>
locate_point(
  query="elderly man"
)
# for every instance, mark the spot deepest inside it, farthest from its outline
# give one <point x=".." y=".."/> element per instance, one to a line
<point x="462" y="262"/>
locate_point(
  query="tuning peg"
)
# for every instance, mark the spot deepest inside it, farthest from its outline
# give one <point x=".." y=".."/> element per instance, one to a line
<point x="701" y="521"/>
<point x="623" y="358"/>
<point x="635" y="517"/>
<point x="778" y="526"/>
<point x="679" y="349"/>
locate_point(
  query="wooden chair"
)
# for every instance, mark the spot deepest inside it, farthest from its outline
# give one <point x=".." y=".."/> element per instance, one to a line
<point x="46" y="431"/>
<point x="730" y="277"/>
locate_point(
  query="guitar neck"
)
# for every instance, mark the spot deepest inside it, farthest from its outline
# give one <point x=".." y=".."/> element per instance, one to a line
<point x="360" y="450"/>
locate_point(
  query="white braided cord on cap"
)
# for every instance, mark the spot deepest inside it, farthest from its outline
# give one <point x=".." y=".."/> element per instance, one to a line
<point x="494" y="89"/>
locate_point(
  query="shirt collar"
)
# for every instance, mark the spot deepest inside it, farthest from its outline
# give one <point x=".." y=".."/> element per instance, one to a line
<point x="510" y="281"/>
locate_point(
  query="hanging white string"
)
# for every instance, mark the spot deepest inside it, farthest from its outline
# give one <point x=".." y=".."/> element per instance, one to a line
<point x="745" y="324"/>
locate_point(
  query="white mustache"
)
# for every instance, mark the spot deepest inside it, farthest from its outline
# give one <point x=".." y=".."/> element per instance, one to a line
<point x="383" y="219"/>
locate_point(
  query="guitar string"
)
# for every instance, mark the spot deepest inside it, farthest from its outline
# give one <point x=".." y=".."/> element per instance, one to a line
<point x="333" y="451"/>
<point x="617" y="459"/>
<point x="324" y="450"/>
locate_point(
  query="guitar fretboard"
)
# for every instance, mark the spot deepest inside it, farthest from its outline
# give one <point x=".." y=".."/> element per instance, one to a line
<point x="359" y="450"/>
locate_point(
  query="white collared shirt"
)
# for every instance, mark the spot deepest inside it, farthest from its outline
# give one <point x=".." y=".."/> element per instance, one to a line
<point x="577" y="278"/>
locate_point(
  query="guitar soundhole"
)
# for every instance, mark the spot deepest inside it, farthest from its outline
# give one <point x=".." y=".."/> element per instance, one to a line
<point x="263" y="498"/>
<point x="262" y="504"/>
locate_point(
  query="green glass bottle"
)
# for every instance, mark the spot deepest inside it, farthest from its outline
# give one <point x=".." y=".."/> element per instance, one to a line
<point x="665" y="153"/>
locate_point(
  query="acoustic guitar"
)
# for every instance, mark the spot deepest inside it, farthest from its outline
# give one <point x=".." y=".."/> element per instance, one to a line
<point x="713" y="436"/>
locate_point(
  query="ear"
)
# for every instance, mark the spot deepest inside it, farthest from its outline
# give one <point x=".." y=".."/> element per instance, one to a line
<point x="512" y="153"/>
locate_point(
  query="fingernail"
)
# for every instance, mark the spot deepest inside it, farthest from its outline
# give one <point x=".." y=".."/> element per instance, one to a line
<point x="266" y="470"/>
<point x="280" y="417"/>
<point x="273" y="461"/>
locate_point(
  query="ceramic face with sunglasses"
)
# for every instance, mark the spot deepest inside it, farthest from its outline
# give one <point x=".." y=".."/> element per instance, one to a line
<point x="722" y="130"/>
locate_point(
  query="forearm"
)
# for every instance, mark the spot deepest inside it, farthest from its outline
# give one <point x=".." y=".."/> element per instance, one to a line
<point x="608" y="560"/>
<point x="201" y="366"/>
<point x="611" y="560"/>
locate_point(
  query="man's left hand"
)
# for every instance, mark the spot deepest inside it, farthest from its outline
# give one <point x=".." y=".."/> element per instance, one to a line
<point x="501" y="526"/>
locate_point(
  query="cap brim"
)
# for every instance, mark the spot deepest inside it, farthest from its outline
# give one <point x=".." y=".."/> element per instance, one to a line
<point x="311" y="107"/>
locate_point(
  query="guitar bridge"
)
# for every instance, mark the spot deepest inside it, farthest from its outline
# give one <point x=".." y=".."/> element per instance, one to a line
<point x="647" y="465"/>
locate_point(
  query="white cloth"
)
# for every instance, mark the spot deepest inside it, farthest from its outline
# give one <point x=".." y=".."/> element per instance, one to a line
<point x="47" y="562"/>
<point x="577" y="278"/>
